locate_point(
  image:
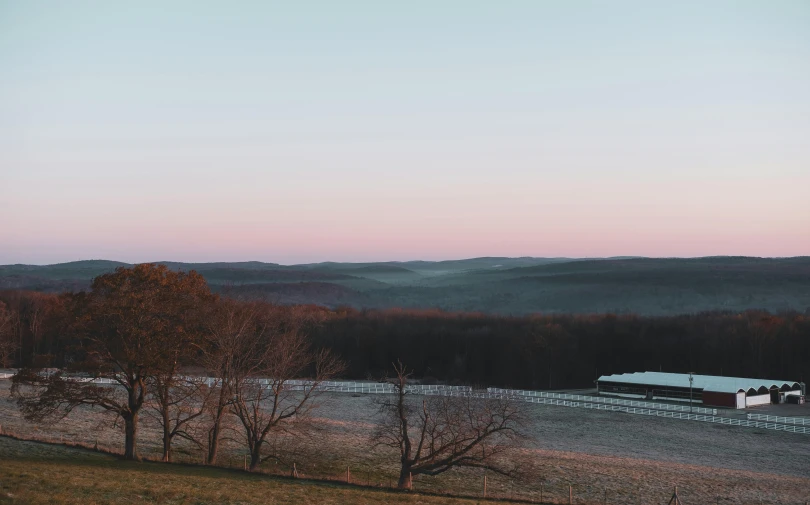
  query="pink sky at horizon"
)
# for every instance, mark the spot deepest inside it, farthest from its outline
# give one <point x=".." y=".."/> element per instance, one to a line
<point x="431" y="228"/>
<point x="371" y="132"/>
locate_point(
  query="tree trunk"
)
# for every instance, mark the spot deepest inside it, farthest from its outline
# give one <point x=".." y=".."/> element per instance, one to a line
<point x="404" y="477"/>
<point x="167" y="437"/>
<point x="135" y="401"/>
<point x="213" y="444"/>
<point x="130" y="433"/>
<point x="213" y="436"/>
<point x="255" y="456"/>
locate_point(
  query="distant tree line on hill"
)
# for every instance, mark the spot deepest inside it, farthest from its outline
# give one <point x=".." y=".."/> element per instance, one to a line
<point x="504" y="286"/>
<point x="538" y="351"/>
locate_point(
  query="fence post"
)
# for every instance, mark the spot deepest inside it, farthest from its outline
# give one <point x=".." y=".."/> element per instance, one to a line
<point x="245" y="462"/>
<point x="485" y="486"/>
<point x="348" y="475"/>
<point x="675" y="500"/>
<point x="605" y="502"/>
<point x="541" y="492"/>
<point x="294" y="472"/>
<point x="569" y="494"/>
<point x="410" y="481"/>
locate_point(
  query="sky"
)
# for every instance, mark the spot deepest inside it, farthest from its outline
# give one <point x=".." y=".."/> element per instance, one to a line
<point x="305" y="131"/>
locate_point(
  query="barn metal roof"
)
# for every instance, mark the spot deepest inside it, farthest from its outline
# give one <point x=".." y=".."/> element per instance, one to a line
<point x="704" y="382"/>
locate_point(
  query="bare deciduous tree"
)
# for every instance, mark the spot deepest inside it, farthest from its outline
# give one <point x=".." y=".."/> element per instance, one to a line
<point x="436" y="433"/>
<point x="267" y="398"/>
<point x="232" y="334"/>
<point x="179" y="404"/>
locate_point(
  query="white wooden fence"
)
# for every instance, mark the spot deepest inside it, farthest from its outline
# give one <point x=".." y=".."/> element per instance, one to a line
<point x="804" y="421"/>
<point x="609" y="401"/>
<point x="301" y="385"/>
<point x="687" y="416"/>
<point x="707" y="418"/>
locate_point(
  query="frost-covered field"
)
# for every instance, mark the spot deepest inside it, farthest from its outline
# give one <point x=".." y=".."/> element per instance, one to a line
<point x="636" y="458"/>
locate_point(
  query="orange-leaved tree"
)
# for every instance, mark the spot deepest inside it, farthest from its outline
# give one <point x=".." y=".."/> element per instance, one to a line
<point x="134" y="326"/>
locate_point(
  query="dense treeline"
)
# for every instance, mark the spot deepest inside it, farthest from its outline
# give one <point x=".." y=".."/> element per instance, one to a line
<point x="32" y="327"/>
<point x="563" y="351"/>
<point x="541" y="351"/>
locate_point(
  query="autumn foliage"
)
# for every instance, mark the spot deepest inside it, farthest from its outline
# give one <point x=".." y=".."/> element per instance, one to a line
<point x="139" y="327"/>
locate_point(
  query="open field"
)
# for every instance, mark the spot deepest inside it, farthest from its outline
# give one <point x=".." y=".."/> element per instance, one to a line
<point x="632" y="457"/>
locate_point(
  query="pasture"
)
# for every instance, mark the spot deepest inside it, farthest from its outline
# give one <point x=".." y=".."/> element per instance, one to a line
<point x="634" y="458"/>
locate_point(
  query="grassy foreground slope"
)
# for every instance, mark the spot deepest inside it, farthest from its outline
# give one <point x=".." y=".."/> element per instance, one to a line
<point x="33" y="473"/>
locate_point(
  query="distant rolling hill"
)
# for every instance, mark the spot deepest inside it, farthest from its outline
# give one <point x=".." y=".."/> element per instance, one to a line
<point x="499" y="285"/>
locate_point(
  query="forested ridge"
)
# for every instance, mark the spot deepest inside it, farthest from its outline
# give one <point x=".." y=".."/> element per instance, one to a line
<point x="505" y="286"/>
<point x="536" y="351"/>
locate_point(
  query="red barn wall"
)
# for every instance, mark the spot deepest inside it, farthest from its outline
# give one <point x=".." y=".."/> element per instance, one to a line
<point x="713" y="399"/>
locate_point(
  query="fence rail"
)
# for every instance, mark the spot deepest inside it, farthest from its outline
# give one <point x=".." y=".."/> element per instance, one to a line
<point x="804" y="421"/>
<point x="609" y="401"/>
<point x="704" y="418"/>
<point x="707" y="418"/>
<point x="301" y="385"/>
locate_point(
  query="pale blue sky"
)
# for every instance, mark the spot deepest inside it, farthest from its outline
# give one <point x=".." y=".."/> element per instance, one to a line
<point x="304" y="131"/>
